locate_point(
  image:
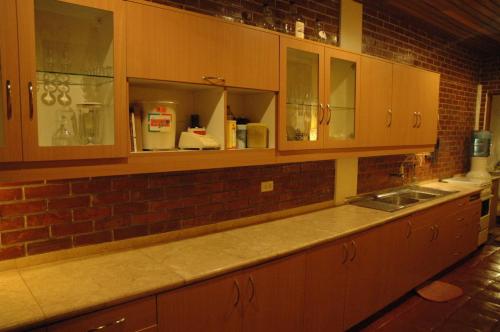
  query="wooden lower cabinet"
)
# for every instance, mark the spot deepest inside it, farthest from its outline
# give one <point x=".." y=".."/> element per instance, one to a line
<point x="134" y="316"/>
<point x="330" y="288"/>
<point x="266" y="298"/>
<point x="326" y="284"/>
<point x="209" y="306"/>
<point x="367" y="279"/>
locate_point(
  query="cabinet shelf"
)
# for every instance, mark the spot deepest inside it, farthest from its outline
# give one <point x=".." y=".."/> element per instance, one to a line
<point x="340" y="108"/>
<point x="75" y="79"/>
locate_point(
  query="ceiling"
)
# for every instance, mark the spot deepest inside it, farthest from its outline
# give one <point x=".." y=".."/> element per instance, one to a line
<point x="475" y="23"/>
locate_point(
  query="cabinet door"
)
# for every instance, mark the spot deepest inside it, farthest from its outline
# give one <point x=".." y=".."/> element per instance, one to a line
<point x="274" y="296"/>
<point x="342" y="99"/>
<point x="134" y="316"/>
<point x="416" y="94"/>
<point x="212" y="306"/>
<point x="250" y="58"/>
<point x="366" y="276"/>
<point x="10" y="109"/>
<point x="72" y="79"/>
<point x="166" y="44"/>
<point x="326" y="284"/>
<point x="379" y="125"/>
<point x="301" y="91"/>
<point x="399" y="270"/>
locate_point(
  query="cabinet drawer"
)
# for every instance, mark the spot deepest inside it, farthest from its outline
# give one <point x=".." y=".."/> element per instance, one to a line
<point x="135" y="316"/>
<point x="470" y="214"/>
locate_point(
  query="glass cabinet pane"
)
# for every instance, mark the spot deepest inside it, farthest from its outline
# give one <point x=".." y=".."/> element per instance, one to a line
<point x="302" y="95"/>
<point x="75" y="74"/>
<point x="342" y="99"/>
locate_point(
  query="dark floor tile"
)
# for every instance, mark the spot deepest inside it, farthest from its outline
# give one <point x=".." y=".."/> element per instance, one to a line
<point x="495" y="286"/>
<point x="471" y="317"/>
<point x="488" y="295"/>
<point x="429" y="315"/>
<point x="486" y="308"/>
<point x="450" y="326"/>
<point x="484" y="273"/>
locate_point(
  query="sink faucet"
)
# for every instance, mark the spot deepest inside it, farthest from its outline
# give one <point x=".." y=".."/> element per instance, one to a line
<point x="410" y="163"/>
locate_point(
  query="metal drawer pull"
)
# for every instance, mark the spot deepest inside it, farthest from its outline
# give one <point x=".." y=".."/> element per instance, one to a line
<point x="410" y="229"/>
<point x="252" y="283"/>
<point x="419" y="118"/>
<point x="329" y="114"/>
<point x="214" y="78"/>
<point x="354" y="250"/>
<point x="461" y="219"/>
<point x="102" y="327"/>
<point x="433" y="229"/>
<point x="322" y="110"/>
<point x="389" y="121"/>
<point x="237" y="286"/>
<point x="415" y="120"/>
<point x="437" y="232"/>
<point x="8" y="87"/>
<point x="346" y="253"/>
<point x="30" y="99"/>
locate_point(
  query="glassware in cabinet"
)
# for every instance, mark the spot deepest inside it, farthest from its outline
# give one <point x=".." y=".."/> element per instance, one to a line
<point x="342" y="98"/>
<point x="301" y="103"/>
<point x="74" y="77"/>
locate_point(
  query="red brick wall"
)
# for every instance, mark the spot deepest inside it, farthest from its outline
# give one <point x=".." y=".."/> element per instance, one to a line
<point x="327" y="11"/>
<point x="402" y="39"/>
<point x="44" y="216"/>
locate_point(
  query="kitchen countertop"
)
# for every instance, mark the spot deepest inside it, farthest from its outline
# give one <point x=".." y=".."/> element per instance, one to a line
<point x="47" y="293"/>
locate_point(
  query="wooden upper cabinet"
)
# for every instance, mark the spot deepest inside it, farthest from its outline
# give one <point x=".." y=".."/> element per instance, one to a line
<point x="249" y="58"/>
<point x="379" y="124"/>
<point x="342" y="95"/>
<point x="10" y="109"/>
<point x="72" y="75"/>
<point x="169" y="44"/>
<point x="302" y="110"/>
<point x="416" y="93"/>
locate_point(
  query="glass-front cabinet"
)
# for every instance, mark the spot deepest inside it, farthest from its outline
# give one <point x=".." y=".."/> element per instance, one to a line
<point x="301" y="98"/>
<point x="72" y="79"/>
<point x="342" y="98"/>
<point x="10" y="114"/>
<point x="319" y="96"/>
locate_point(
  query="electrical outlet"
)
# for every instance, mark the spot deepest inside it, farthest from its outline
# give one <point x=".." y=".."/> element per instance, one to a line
<point x="266" y="186"/>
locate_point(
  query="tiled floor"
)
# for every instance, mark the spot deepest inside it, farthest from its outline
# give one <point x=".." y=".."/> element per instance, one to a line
<point x="477" y="310"/>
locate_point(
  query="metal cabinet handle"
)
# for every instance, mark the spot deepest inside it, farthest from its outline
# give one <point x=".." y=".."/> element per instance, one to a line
<point x="415" y="119"/>
<point x="214" y="78"/>
<point x="237" y="286"/>
<point x="329" y="114"/>
<point x="354" y="250"/>
<point x="419" y="118"/>
<point x="389" y="116"/>
<point x="322" y="110"/>
<point x="346" y="253"/>
<point x="410" y="229"/>
<point x="461" y="219"/>
<point x="8" y="87"/>
<point x="102" y="327"/>
<point x="30" y="99"/>
<point x="252" y="284"/>
<point x="433" y="229"/>
<point x="437" y="232"/>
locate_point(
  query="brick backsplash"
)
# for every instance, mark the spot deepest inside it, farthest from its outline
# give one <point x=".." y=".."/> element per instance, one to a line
<point x="38" y="217"/>
<point x="402" y="39"/>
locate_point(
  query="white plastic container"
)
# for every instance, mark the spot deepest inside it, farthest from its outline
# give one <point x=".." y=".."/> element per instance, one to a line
<point x="158" y="125"/>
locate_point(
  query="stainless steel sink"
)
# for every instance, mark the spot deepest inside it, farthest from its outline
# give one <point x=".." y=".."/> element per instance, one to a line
<point x="398" y="198"/>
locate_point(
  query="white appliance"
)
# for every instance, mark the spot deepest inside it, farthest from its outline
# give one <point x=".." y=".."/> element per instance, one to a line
<point x="485" y="195"/>
<point x="158" y="125"/>
<point x="194" y="141"/>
